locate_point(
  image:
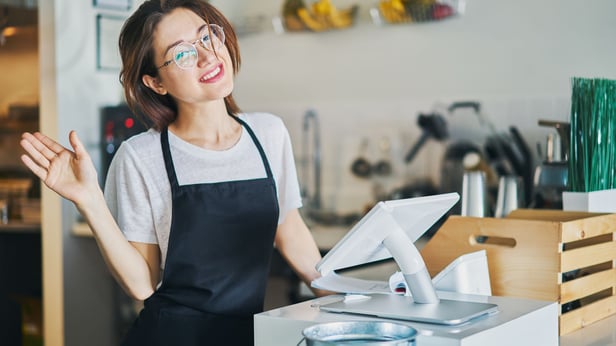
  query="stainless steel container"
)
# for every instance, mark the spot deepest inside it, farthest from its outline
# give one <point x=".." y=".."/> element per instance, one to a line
<point x="366" y="333"/>
<point x="474" y="194"/>
<point x="510" y="195"/>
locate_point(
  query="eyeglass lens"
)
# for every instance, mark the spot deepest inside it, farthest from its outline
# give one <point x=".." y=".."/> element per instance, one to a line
<point x="185" y="54"/>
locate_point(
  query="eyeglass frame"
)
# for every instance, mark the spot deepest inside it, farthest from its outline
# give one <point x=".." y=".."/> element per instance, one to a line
<point x="207" y="28"/>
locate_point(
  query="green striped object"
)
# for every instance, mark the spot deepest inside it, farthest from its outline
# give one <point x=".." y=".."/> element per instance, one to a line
<point x="592" y="158"/>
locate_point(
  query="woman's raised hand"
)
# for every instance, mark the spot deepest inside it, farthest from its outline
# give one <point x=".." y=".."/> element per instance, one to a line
<point x="71" y="174"/>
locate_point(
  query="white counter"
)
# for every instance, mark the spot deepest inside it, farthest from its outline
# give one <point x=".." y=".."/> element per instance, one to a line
<point x="518" y="322"/>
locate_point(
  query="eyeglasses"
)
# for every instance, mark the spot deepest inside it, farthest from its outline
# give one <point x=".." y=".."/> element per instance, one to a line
<point x="185" y="55"/>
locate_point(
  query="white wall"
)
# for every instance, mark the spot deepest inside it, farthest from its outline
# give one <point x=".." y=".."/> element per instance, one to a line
<point x="516" y="58"/>
<point x="89" y="290"/>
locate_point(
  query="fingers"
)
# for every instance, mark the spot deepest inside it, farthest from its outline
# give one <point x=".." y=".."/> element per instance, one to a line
<point x="34" y="167"/>
<point x="49" y="143"/>
<point x="42" y="150"/>
<point x="38" y="153"/>
<point x="43" y="144"/>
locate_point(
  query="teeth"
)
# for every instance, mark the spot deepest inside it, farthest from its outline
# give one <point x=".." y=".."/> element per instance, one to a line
<point x="211" y="74"/>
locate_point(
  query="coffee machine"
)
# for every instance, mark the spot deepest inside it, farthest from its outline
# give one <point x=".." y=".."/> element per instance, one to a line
<point x="118" y="123"/>
<point x="550" y="179"/>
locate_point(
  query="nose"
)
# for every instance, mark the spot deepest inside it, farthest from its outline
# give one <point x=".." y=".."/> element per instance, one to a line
<point x="205" y="56"/>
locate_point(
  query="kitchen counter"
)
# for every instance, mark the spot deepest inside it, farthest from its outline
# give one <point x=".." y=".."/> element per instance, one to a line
<point x="81" y="229"/>
<point x="284" y="326"/>
<point x="518" y="322"/>
<point x="20" y="227"/>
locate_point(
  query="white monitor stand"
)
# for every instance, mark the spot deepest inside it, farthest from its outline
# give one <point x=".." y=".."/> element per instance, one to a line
<point x="388" y="230"/>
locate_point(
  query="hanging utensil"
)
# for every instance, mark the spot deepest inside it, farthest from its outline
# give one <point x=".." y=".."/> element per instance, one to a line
<point x="361" y="167"/>
<point x="432" y="126"/>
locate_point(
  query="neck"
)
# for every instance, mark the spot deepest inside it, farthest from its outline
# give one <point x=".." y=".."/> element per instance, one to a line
<point x="208" y="126"/>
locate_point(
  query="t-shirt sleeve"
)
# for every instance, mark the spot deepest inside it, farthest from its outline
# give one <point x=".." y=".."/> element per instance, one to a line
<point x="127" y="197"/>
<point x="288" y="185"/>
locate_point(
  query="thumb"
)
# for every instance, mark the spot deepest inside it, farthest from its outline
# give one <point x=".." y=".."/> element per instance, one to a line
<point x="80" y="150"/>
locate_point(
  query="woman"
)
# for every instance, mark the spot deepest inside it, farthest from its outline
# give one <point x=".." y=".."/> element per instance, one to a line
<point x="196" y="203"/>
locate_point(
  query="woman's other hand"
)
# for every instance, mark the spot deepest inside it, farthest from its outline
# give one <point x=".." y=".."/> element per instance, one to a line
<point x="71" y="174"/>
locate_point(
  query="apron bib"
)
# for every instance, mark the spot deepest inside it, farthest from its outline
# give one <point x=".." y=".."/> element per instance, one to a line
<point x="218" y="258"/>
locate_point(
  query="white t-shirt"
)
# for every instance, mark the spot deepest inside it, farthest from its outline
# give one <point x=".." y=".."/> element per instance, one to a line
<point x="137" y="188"/>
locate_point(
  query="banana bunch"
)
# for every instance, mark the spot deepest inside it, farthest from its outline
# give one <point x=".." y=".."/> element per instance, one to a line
<point x="394" y="11"/>
<point x="321" y="15"/>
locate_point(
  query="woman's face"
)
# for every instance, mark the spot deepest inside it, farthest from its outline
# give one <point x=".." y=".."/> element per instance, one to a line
<point x="211" y="77"/>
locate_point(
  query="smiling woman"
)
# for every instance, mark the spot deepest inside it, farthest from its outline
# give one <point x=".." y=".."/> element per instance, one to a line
<point x="191" y="207"/>
<point x="136" y="49"/>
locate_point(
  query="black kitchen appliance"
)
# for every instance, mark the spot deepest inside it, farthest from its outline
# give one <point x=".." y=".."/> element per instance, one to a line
<point x="118" y="123"/>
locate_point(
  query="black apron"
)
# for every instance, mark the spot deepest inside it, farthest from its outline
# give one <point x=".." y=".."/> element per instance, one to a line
<point x="220" y="246"/>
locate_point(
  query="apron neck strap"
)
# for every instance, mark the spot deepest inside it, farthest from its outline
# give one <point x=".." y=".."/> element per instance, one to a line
<point x="268" y="170"/>
<point x="173" y="179"/>
<point x="164" y="141"/>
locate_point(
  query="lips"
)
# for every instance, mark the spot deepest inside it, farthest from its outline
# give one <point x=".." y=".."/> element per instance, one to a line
<point x="213" y="75"/>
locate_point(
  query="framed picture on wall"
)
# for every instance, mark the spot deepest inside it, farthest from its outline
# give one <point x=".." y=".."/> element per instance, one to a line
<point x="107" y="34"/>
<point x="113" y="4"/>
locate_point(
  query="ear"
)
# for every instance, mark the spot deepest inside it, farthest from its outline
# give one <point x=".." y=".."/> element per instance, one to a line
<point x="154" y="84"/>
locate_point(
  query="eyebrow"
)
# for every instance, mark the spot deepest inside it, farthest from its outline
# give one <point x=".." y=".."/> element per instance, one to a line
<point x="180" y="41"/>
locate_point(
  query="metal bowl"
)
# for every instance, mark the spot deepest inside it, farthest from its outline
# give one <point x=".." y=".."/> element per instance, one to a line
<point x="367" y="333"/>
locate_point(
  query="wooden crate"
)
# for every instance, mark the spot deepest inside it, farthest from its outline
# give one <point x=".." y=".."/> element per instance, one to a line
<point x="568" y="257"/>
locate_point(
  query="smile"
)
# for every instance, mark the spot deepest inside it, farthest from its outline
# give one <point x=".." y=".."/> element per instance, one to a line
<point x="212" y="76"/>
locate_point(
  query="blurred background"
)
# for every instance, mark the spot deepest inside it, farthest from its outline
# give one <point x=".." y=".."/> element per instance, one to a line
<point x="375" y="111"/>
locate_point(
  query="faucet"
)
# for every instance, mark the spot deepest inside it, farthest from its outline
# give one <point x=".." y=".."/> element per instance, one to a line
<point x="310" y="118"/>
<point x="311" y="168"/>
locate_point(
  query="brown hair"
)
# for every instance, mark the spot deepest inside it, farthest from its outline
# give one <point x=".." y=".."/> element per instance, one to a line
<point x="137" y="56"/>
